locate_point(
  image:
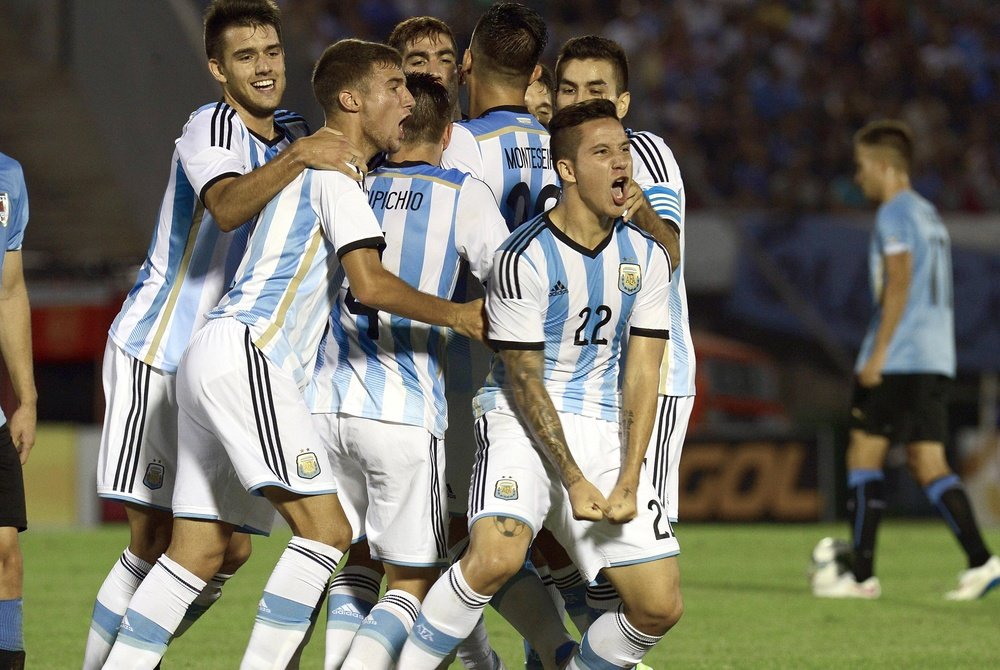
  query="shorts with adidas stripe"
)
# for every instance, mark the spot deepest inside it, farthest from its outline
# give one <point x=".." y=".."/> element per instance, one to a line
<point x="663" y="455"/>
<point x="138" y="455"/>
<point x="244" y="425"/>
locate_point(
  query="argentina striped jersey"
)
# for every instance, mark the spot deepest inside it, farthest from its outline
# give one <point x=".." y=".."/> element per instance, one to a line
<point x="190" y="262"/>
<point x="381" y="366"/>
<point x="286" y="285"/>
<point x="508" y="149"/>
<point x="656" y="171"/>
<point x="547" y="292"/>
<point x="13" y="213"/>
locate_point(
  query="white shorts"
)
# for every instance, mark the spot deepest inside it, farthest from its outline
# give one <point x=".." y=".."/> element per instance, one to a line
<point x="390" y="483"/>
<point x="243" y="426"/>
<point x="512" y="478"/>
<point x="663" y="456"/>
<point x="138" y="456"/>
<point x="468" y="365"/>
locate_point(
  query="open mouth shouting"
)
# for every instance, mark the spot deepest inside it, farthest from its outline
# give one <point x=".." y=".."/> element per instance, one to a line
<point x="618" y="194"/>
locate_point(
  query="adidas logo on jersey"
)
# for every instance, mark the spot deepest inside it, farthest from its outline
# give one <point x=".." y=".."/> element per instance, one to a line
<point x="348" y="610"/>
<point x="262" y="607"/>
<point x="558" y="289"/>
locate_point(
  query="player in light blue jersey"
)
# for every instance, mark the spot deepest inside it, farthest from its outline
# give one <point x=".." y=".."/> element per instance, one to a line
<point x="231" y="158"/>
<point x="904" y="369"/>
<point x="17" y="432"/>
<point x="378" y="394"/>
<point x="558" y="443"/>
<point x="248" y="444"/>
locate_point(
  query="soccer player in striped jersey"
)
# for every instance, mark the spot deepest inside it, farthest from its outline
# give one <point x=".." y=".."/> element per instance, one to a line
<point x="904" y="369"/>
<point x="231" y="158"/>
<point x="378" y="395"/>
<point x="539" y="96"/>
<point x="17" y="433"/>
<point x="244" y="423"/>
<point x="427" y="44"/>
<point x="558" y="443"/>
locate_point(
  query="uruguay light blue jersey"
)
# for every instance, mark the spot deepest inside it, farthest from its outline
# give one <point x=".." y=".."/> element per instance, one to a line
<point x="190" y="262"/>
<point x="381" y="366"/>
<point x="13" y="214"/>
<point x="290" y="276"/>
<point x="548" y="293"/>
<point x="655" y="170"/>
<point x="924" y="339"/>
<point x="507" y="148"/>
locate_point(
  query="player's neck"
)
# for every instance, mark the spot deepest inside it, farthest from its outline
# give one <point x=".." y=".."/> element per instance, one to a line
<point x="579" y="223"/>
<point x="418" y="153"/>
<point x="894" y="185"/>
<point x="349" y="125"/>
<point x="484" y="96"/>
<point x="255" y="123"/>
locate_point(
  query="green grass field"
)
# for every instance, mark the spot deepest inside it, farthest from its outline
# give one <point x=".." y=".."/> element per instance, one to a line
<point x="745" y="592"/>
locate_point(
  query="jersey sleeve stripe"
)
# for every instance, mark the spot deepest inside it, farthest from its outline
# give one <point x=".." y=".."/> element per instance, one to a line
<point x="650" y="156"/>
<point x="213" y="181"/>
<point x="517" y="346"/>
<point x="650" y="332"/>
<point x="510" y="284"/>
<point x="367" y="243"/>
<point x="229" y="129"/>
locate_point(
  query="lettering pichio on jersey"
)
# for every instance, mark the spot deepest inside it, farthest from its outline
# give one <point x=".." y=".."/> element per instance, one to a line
<point x="411" y="200"/>
<point x="536" y="158"/>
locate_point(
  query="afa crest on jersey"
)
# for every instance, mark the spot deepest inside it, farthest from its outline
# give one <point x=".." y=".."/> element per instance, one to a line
<point x="629" y="278"/>
<point x="153" y="479"/>
<point x="506" y="489"/>
<point x="307" y="465"/>
<point x="4" y="208"/>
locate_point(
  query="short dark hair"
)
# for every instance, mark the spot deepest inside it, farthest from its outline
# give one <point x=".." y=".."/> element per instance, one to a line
<point x="595" y="47"/>
<point x="417" y="27"/>
<point x="224" y="14"/>
<point x="546" y="79"/>
<point x="564" y="126"/>
<point x="509" y="39"/>
<point x="889" y="134"/>
<point x="349" y="63"/>
<point x="431" y="111"/>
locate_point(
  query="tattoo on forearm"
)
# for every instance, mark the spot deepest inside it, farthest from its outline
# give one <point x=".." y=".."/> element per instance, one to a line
<point x="509" y="526"/>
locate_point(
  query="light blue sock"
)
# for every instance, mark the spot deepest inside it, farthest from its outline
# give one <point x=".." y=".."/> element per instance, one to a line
<point x="11" y="625"/>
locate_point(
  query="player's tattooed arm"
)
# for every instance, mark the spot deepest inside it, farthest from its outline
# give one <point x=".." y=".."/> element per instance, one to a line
<point x="525" y="369"/>
<point x="509" y="526"/>
<point x="639" y="211"/>
<point x="638" y="412"/>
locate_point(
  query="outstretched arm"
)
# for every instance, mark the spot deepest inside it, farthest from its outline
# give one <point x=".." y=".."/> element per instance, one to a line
<point x="15" y="345"/>
<point x="525" y="368"/>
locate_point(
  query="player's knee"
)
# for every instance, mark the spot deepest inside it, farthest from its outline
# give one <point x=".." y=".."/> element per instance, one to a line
<point x="487" y="571"/>
<point x="237" y="553"/>
<point x="150" y="539"/>
<point x="11" y="559"/>
<point x="656" y="615"/>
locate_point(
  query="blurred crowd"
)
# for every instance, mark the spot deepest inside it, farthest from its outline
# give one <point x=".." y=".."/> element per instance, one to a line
<point x="759" y="98"/>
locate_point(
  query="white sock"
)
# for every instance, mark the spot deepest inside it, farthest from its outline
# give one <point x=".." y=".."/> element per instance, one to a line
<point x="290" y="596"/>
<point x="449" y="613"/>
<point x="205" y="599"/>
<point x="525" y="603"/>
<point x="109" y="608"/>
<point x="353" y="592"/>
<point x="612" y="642"/>
<point x="153" y="615"/>
<point x="381" y="637"/>
<point x="573" y="589"/>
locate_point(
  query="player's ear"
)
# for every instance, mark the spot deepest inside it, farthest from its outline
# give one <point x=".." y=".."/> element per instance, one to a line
<point x="215" y="68"/>
<point x="446" y="137"/>
<point x="621" y="105"/>
<point x="466" y="65"/>
<point x="564" y="167"/>
<point x="348" y="101"/>
<point x="536" y="74"/>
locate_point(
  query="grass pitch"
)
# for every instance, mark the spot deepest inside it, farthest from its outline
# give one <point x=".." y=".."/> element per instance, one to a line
<point x="747" y="604"/>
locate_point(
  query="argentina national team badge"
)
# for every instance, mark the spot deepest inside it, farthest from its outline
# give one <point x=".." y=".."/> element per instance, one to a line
<point x="153" y="479"/>
<point x="506" y="489"/>
<point x="629" y="278"/>
<point x="4" y="208"/>
<point x="307" y="465"/>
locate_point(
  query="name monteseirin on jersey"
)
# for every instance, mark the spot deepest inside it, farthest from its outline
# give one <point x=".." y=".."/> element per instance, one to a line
<point x="407" y="200"/>
<point x="535" y="158"/>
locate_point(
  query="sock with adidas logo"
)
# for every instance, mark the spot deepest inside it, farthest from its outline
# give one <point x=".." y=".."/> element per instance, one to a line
<point x="290" y="596"/>
<point x="382" y="635"/>
<point x="353" y="593"/>
<point x="153" y="615"/>
<point x="109" y="607"/>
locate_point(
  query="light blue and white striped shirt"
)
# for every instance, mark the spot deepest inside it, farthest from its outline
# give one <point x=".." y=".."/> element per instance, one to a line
<point x="13" y="214"/>
<point x="190" y="262"/>
<point x="287" y="283"/>
<point x="386" y="367"/>
<point x="547" y="292"/>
